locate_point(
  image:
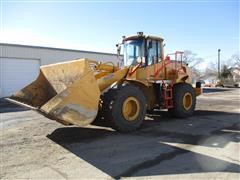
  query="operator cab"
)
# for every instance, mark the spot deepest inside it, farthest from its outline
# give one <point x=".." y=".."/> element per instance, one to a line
<point x="141" y="49"/>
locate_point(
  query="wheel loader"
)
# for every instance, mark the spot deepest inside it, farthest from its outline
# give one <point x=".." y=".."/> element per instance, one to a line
<point x="79" y="91"/>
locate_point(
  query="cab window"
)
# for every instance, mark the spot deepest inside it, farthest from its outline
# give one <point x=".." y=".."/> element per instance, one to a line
<point x="154" y="52"/>
<point x="134" y="50"/>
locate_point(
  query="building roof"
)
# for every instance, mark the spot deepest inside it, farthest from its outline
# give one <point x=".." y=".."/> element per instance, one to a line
<point x="53" y="48"/>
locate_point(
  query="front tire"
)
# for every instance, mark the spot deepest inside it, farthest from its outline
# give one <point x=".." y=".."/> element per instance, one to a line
<point x="124" y="108"/>
<point x="184" y="100"/>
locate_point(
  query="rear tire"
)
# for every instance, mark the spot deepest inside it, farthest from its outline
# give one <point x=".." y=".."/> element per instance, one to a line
<point x="184" y="100"/>
<point x="124" y="108"/>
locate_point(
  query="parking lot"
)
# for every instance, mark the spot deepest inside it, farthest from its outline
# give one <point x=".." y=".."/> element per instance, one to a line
<point x="205" y="145"/>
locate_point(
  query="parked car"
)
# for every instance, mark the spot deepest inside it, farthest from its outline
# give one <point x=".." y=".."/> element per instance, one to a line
<point x="228" y="83"/>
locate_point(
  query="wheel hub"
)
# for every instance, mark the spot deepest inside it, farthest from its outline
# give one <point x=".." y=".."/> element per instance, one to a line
<point x="187" y="101"/>
<point x="130" y="108"/>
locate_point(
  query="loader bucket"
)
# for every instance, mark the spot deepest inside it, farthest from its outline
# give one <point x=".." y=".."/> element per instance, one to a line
<point x="67" y="92"/>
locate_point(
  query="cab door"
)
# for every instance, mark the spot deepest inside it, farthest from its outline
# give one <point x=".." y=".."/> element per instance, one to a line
<point x="153" y="52"/>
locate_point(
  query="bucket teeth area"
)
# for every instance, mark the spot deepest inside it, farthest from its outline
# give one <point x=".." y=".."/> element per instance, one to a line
<point x="67" y="92"/>
<point x="21" y="103"/>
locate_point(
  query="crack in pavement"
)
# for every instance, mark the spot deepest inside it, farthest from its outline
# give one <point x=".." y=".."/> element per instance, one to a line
<point x="150" y="163"/>
<point x="62" y="174"/>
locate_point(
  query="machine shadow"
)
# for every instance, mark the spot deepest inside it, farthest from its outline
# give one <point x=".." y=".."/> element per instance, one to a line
<point x="6" y="107"/>
<point x="146" y="152"/>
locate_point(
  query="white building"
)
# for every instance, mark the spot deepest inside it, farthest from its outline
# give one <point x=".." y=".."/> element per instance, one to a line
<point x="19" y="64"/>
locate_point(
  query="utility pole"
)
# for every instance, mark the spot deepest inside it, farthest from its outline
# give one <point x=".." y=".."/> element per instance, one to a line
<point x="219" y="66"/>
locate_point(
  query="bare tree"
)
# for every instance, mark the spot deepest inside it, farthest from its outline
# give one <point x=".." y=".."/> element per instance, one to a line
<point x="210" y="71"/>
<point x="226" y="72"/>
<point x="192" y="61"/>
<point x="235" y="60"/>
<point x="191" y="58"/>
<point x="197" y="74"/>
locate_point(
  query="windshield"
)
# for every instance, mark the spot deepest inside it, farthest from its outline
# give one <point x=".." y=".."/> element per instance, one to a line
<point x="133" y="50"/>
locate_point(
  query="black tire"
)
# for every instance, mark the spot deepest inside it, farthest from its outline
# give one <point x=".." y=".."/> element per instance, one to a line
<point x="236" y="85"/>
<point x="101" y="118"/>
<point x="112" y="105"/>
<point x="179" y="91"/>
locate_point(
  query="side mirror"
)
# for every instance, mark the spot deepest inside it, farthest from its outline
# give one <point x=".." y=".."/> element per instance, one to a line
<point x="118" y="50"/>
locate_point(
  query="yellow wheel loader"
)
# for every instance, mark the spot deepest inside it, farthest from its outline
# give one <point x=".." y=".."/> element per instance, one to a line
<point x="79" y="91"/>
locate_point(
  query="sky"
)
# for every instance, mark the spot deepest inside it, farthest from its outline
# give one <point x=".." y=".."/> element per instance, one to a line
<point x="200" y="26"/>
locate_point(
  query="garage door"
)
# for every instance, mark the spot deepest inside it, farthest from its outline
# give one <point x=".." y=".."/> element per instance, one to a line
<point x="16" y="73"/>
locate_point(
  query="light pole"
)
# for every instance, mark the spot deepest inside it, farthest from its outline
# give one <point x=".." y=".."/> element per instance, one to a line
<point x="219" y="68"/>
